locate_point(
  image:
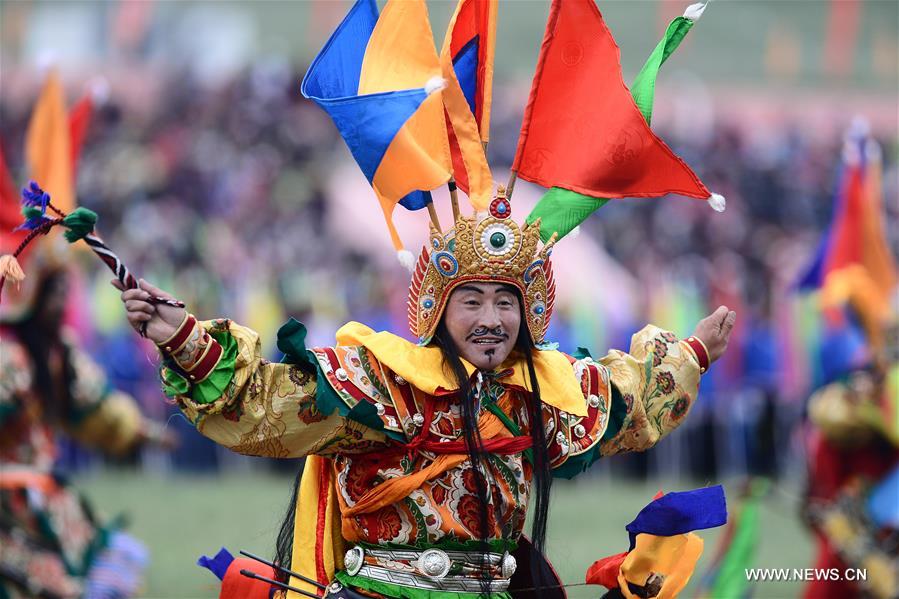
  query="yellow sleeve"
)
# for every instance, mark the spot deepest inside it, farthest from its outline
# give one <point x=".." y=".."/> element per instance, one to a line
<point x="99" y="416"/>
<point x="849" y="413"/>
<point x="107" y="420"/>
<point x="114" y="426"/>
<point x="653" y="388"/>
<point x="261" y="408"/>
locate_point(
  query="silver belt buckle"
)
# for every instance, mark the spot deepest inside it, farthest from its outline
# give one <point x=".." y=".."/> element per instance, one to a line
<point x="353" y="560"/>
<point x="434" y="563"/>
<point x="508" y="565"/>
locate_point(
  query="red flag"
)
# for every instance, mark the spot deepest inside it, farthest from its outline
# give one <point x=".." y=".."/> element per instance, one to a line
<point x="10" y="208"/>
<point x="79" y="120"/>
<point x="846" y="241"/>
<point x="605" y="571"/>
<point x="855" y="265"/>
<point x="460" y="174"/>
<point x="857" y="235"/>
<point x="582" y="130"/>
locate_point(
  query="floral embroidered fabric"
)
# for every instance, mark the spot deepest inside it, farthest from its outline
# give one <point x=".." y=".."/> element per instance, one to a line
<point x="341" y="402"/>
<point x="50" y="541"/>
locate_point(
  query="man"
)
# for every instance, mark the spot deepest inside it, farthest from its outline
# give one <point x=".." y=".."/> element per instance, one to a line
<point x="852" y="442"/>
<point x="52" y="544"/>
<point x="425" y="455"/>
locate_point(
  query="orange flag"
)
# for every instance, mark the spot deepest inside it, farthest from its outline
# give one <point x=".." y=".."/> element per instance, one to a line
<point x="48" y="145"/>
<point x="400" y="55"/>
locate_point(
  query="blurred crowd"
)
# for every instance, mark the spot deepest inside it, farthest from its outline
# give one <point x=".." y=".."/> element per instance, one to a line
<point x="224" y="196"/>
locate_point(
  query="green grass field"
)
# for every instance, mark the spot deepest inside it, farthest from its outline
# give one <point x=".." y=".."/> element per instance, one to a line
<point x="182" y="517"/>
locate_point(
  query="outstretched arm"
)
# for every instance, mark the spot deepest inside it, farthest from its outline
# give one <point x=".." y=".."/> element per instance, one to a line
<point x="634" y="399"/>
<point x="216" y="373"/>
<point x="655" y="384"/>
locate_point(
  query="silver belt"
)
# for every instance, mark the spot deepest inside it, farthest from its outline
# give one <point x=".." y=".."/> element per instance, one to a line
<point x="430" y="569"/>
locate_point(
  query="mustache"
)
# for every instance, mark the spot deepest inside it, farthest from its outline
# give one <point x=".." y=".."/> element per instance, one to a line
<point x="487" y="332"/>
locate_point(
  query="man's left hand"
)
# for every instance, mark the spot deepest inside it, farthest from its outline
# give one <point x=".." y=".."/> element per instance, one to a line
<point x="714" y="331"/>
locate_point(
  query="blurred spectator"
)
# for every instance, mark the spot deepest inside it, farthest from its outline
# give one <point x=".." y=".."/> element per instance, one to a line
<point x="220" y="194"/>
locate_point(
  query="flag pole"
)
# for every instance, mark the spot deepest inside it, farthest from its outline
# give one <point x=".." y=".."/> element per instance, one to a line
<point x="433" y="213"/>
<point x="314" y="583"/>
<point x="513" y="175"/>
<point x="277" y="583"/>
<point x="454" y="198"/>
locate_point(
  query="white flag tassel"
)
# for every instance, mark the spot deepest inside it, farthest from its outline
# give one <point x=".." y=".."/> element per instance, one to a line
<point x="694" y="11"/>
<point x="406" y="259"/>
<point x="717" y="202"/>
<point x="435" y="84"/>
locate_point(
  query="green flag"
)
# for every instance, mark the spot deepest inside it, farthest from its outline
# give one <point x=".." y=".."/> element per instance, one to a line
<point x="561" y="210"/>
<point x="730" y="579"/>
<point x="643" y="88"/>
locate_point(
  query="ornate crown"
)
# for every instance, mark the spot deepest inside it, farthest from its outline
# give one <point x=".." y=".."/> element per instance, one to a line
<point x="494" y="250"/>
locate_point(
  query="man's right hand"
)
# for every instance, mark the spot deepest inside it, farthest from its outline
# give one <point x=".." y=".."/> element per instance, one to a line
<point x="161" y="320"/>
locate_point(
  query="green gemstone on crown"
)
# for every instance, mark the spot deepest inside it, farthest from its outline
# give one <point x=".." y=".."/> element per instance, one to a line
<point x="498" y="240"/>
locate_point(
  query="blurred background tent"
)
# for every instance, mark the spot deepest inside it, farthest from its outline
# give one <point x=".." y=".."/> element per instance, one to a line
<point x="214" y="179"/>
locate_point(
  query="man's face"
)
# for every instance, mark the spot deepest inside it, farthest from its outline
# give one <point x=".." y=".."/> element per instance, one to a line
<point x="483" y="321"/>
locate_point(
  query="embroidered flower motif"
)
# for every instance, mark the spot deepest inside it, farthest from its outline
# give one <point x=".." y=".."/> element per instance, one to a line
<point x="669" y="337"/>
<point x="469" y="482"/>
<point x="353" y="434"/>
<point x="470" y="515"/>
<point x="297" y="376"/>
<point x="389" y="524"/>
<point x="357" y="483"/>
<point x="628" y="402"/>
<point x="665" y="381"/>
<point x="659" y="351"/>
<point x="680" y="407"/>
<point x="308" y="413"/>
<point x="438" y="493"/>
<point x="233" y="412"/>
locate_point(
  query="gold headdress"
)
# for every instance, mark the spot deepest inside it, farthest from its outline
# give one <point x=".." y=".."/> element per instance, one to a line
<point x="494" y="250"/>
